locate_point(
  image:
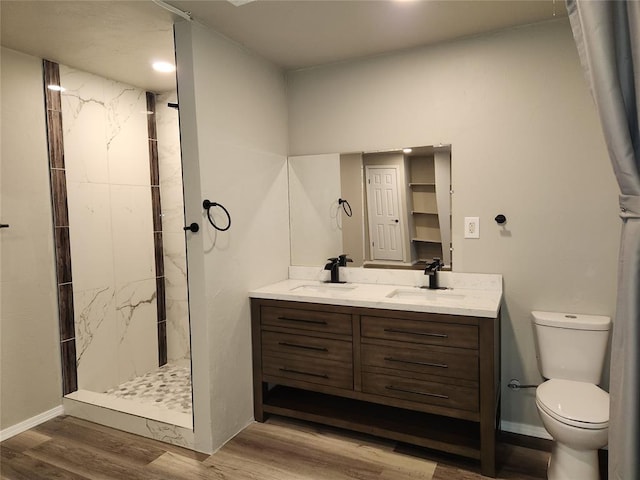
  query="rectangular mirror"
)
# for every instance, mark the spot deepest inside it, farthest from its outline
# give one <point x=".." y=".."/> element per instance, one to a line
<point x="384" y="209"/>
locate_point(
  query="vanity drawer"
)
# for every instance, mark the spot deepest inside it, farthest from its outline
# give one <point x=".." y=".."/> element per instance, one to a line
<point x="279" y="344"/>
<point x="455" y="364"/>
<point x="432" y="393"/>
<point x="312" y="320"/>
<point x="311" y="370"/>
<point x="416" y="331"/>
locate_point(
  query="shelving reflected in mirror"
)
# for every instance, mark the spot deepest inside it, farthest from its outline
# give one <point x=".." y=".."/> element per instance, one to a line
<point x="400" y="202"/>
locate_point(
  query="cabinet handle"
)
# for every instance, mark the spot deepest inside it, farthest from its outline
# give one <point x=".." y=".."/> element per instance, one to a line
<point x="409" y="332"/>
<point x="415" y="392"/>
<point x="316" y="322"/>
<point x="412" y="362"/>
<point x="304" y="347"/>
<point x="288" y="370"/>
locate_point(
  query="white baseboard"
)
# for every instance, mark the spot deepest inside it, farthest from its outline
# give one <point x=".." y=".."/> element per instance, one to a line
<point x="31" y="422"/>
<point x="525" y="429"/>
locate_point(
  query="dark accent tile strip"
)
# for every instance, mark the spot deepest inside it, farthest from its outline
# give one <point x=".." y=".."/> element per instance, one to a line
<point x="69" y="367"/>
<point x="65" y="311"/>
<point x="161" y="299"/>
<point x="156" y="209"/>
<point x="63" y="255"/>
<point x="52" y="77"/>
<point x="153" y="139"/>
<point x="153" y="163"/>
<point x="159" y="253"/>
<point x="154" y="172"/>
<point x="53" y="106"/>
<point x="151" y="118"/>
<point x="162" y="343"/>
<point x="59" y="194"/>
<point x="54" y="134"/>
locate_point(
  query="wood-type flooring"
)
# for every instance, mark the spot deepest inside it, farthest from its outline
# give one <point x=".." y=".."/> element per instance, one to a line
<point x="67" y="448"/>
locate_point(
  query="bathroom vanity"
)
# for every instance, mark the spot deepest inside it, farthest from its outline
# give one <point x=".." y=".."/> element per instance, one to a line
<point x="416" y="366"/>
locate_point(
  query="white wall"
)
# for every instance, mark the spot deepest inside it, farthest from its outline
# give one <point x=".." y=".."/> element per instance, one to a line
<point x="233" y="123"/>
<point x="525" y="142"/>
<point x="30" y="358"/>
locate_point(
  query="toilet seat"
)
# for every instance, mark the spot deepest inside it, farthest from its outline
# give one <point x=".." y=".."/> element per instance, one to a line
<point x="578" y="404"/>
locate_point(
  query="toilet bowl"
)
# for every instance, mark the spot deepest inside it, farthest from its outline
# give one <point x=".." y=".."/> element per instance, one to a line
<point x="576" y="415"/>
<point x="574" y="410"/>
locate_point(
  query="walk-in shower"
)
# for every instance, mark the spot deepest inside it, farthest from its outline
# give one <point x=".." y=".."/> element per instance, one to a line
<point x="120" y="246"/>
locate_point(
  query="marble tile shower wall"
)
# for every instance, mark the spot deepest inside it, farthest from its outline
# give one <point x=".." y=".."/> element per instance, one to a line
<point x="175" y="260"/>
<point x="113" y="268"/>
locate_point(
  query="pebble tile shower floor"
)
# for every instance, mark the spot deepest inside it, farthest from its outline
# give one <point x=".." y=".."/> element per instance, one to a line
<point x="168" y="387"/>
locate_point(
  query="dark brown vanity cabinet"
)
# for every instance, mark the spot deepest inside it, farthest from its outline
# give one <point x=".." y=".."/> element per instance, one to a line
<point x="426" y="379"/>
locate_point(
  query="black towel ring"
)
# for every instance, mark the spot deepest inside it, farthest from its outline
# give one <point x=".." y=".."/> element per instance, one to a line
<point x="343" y="203"/>
<point x="207" y="206"/>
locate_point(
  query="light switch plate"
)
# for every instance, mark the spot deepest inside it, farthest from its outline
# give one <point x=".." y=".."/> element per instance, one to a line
<point x="471" y="227"/>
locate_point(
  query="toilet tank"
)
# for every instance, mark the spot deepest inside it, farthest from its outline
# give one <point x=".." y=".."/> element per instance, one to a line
<point x="571" y="346"/>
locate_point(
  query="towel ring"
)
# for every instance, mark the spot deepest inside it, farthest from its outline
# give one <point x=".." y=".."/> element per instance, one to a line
<point x="345" y="205"/>
<point x="207" y="206"/>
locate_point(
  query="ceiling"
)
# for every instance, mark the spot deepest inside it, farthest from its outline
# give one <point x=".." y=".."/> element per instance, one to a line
<point x="120" y="39"/>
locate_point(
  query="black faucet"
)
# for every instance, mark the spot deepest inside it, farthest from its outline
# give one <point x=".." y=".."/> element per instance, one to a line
<point x="334" y="266"/>
<point x="343" y="259"/>
<point x="432" y="270"/>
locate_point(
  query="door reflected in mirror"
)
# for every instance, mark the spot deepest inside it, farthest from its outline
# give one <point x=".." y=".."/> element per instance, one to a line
<point x="399" y="204"/>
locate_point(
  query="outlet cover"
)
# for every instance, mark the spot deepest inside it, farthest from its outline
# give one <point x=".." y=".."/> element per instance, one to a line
<point x="471" y="227"/>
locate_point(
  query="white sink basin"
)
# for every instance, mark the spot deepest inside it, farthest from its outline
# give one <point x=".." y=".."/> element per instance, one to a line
<point x="422" y="294"/>
<point x="325" y="288"/>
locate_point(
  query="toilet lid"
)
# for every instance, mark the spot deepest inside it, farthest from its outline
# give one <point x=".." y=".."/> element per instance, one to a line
<point x="579" y="404"/>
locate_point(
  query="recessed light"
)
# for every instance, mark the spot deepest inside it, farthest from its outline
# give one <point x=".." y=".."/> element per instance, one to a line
<point x="56" y="88"/>
<point x="407" y="150"/>
<point x="164" y="67"/>
<point x="239" y="3"/>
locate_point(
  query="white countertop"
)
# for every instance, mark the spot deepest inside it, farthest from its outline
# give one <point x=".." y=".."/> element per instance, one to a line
<point x="477" y="295"/>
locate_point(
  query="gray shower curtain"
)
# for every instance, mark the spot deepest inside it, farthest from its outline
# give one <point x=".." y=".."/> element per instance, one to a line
<point x="607" y="34"/>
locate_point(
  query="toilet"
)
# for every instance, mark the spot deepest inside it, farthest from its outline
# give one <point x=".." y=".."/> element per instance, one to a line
<point x="571" y="350"/>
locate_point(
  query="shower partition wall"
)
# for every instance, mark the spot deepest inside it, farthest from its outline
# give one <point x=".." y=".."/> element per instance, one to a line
<point x="123" y="327"/>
